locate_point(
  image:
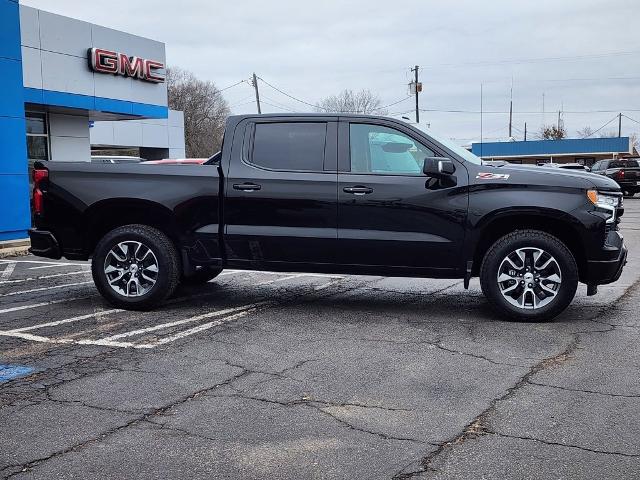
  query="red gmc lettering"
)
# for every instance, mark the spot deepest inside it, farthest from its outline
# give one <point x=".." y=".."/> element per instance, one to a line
<point x="150" y="71"/>
<point x="131" y="67"/>
<point x="107" y="61"/>
<point x="104" y="61"/>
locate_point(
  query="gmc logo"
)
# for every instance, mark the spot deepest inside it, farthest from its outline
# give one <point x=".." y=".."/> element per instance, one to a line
<point x="107" y="61"/>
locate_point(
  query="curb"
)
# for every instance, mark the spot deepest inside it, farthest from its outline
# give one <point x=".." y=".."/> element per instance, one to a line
<point x="13" y="248"/>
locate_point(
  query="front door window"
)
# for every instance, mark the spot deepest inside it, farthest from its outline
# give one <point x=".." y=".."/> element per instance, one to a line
<point x="385" y="151"/>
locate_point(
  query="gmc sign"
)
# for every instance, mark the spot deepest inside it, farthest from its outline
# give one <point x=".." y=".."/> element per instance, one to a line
<point x="107" y="61"/>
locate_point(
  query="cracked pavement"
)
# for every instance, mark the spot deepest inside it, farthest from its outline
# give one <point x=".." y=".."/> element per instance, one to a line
<point x="316" y="377"/>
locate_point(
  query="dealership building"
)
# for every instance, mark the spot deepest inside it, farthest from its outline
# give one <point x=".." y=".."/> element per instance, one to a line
<point x="585" y="151"/>
<point x="67" y="86"/>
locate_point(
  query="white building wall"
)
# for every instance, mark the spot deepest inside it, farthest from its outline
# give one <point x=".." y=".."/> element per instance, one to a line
<point x="69" y="138"/>
<point x="153" y="133"/>
<point x="55" y="51"/>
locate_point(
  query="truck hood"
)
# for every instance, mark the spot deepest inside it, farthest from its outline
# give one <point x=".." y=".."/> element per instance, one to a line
<point x="570" y="178"/>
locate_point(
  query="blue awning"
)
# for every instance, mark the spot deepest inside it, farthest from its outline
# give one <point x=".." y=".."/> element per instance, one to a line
<point x="568" y="146"/>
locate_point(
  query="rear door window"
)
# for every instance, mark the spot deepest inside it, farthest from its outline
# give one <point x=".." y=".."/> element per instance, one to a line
<point x="296" y="146"/>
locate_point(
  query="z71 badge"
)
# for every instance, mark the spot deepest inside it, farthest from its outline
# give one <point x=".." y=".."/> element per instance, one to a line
<point x="493" y="176"/>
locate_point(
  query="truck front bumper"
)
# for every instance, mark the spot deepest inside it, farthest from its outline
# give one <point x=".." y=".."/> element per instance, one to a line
<point x="601" y="272"/>
<point x="44" y="244"/>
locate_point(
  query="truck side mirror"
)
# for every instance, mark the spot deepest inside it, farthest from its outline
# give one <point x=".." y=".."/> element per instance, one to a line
<point x="438" y="167"/>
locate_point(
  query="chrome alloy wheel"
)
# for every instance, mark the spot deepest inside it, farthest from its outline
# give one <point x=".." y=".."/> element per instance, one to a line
<point x="131" y="268"/>
<point x="529" y="278"/>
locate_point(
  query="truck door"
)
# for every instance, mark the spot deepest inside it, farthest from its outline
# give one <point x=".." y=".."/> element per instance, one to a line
<point x="281" y="199"/>
<point x="389" y="212"/>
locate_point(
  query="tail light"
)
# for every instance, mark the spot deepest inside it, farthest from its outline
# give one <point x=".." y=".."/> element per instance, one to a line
<point x="620" y="174"/>
<point x="40" y="176"/>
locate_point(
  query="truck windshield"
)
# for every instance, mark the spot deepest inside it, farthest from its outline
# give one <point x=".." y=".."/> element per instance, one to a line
<point x="451" y="145"/>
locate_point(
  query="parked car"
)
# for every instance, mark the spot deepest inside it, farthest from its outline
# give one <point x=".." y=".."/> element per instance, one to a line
<point x="115" y="159"/>
<point x="176" y="161"/>
<point x="567" y="166"/>
<point x="334" y="194"/>
<point x="626" y="172"/>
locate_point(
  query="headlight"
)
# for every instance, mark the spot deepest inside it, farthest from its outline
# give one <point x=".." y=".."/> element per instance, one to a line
<point x="605" y="202"/>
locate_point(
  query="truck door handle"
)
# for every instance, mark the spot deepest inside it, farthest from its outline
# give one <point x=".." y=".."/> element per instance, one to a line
<point x="247" y="187"/>
<point x="358" y="190"/>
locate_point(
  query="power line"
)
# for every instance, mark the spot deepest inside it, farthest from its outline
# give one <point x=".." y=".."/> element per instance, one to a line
<point x="241" y="100"/>
<point x="394" y="103"/>
<point x="277" y="106"/>
<point x="291" y="96"/>
<point x="629" y="118"/>
<point x="231" y="86"/>
<point x="593" y="133"/>
<point x="243" y="104"/>
<point x="275" y="103"/>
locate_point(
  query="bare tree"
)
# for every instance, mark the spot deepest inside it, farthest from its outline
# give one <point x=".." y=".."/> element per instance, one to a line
<point x="585" y="132"/>
<point x="553" y="132"/>
<point x="347" y="101"/>
<point x="205" y="111"/>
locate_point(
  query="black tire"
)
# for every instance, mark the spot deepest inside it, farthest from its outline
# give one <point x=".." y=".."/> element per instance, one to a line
<point x="529" y="239"/>
<point x="168" y="266"/>
<point x="202" y="275"/>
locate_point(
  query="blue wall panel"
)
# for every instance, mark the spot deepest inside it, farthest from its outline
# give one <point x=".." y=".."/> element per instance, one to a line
<point x="13" y="154"/>
<point x="9" y="30"/>
<point x="11" y="100"/>
<point x="99" y="104"/>
<point x="15" y="217"/>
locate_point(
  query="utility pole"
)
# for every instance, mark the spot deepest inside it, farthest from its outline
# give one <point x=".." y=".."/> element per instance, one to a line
<point x="255" y="86"/>
<point x="525" y="131"/>
<point x="559" y="121"/>
<point x="511" y="109"/>
<point x="481" y="114"/>
<point x="619" y="125"/>
<point x="417" y="88"/>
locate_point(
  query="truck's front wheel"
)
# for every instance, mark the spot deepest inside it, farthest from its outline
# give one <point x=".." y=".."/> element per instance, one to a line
<point x="529" y="275"/>
<point x="135" y="267"/>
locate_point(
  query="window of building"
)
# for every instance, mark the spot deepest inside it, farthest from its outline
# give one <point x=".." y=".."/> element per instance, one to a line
<point x="37" y="137"/>
<point x="289" y="146"/>
<point x="385" y="151"/>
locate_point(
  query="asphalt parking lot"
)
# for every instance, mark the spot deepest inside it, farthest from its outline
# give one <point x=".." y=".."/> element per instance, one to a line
<point x="262" y="375"/>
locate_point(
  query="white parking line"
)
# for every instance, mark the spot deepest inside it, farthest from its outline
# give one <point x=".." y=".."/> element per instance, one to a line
<point x="39" y="262"/>
<point x="328" y="284"/>
<point x="194" y="330"/>
<point x="43" y="304"/>
<point x="182" y="322"/>
<point x="43" y="277"/>
<point x="56" y="265"/>
<point x="288" y="277"/>
<point x="7" y="272"/>
<point x="111" y="341"/>
<point x="42" y="289"/>
<point x="99" y="313"/>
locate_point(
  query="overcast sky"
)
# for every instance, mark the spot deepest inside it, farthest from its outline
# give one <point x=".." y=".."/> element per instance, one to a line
<point x="583" y="55"/>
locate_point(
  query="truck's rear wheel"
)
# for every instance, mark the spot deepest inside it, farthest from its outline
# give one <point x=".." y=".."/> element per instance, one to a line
<point x="529" y="275"/>
<point x="135" y="267"/>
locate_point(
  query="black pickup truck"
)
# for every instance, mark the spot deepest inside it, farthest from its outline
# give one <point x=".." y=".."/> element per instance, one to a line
<point x="334" y="194"/>
<point x="625" y="171"/>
